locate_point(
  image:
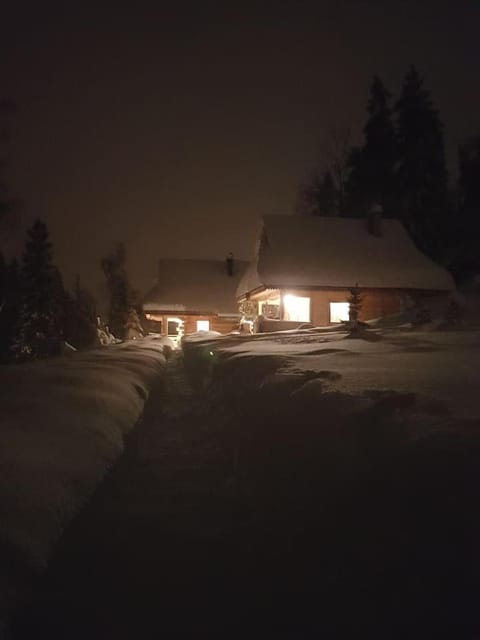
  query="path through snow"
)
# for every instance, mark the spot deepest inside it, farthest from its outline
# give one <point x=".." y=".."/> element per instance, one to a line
<point x="345" y="515"/>
<point x="154" y="543"/>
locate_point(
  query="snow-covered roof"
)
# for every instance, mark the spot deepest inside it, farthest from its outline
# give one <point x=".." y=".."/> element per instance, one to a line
<point x="201" y="286"/>
<point x="310" y="251"/>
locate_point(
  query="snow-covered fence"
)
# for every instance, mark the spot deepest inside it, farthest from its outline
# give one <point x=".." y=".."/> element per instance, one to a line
<point x="62" y="425"/>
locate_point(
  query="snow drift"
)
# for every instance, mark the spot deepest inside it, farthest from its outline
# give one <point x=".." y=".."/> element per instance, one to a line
<point x="360" y="458"/>
<point x="62" y="425"/>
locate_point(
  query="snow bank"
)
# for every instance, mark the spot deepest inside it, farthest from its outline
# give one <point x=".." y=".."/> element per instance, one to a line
<point x="360" y="460"/>
<point x="441" y="365"/>
<point x="202" y="336"/>
<point x="341" y="401"/>
<point x="62" y="425"/>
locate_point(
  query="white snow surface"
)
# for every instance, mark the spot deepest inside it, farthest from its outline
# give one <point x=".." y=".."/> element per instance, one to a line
<point x="62" y="425"/>
<point x="315" y="251"/>
<point x="201" y="336"/>
<point x="438" y="367"/>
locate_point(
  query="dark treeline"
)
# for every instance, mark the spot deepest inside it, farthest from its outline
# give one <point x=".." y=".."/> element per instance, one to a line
<point x="37" y="314"/>
<point x="124" y="306"/>
<point x="39" y="317"/>
<point x="401" y="167"/>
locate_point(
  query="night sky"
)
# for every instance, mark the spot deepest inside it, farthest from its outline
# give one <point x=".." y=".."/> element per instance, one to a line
<point x="174" y="126"/>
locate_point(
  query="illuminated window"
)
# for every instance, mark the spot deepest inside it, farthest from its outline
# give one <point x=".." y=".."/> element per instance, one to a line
<point x="203" y="325"/>
<point x="339" y="311"/>
<point x="296" y="308"/>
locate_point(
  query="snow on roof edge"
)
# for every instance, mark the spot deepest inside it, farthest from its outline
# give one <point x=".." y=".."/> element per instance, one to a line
<point x="304" y="252"/>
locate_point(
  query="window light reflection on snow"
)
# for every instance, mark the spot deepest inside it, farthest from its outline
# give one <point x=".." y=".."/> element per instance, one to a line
<point x="296" y="308"/>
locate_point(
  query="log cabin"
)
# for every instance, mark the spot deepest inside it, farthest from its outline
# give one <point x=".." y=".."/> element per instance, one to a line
<point x="305" y="267"/>
<point x="194" y="295"/>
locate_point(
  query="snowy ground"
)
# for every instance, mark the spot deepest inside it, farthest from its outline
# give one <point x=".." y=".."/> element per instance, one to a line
<point x="438" y="367"/>
<point x="360" y="457"/>
<point x="318" y="485"/>
<point x="62" y="425"/>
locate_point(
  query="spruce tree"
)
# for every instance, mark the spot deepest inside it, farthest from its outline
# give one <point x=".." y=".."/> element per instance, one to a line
<point x="41" y="317"/>
<point x="355" y="306"/>
<point x="325" y="193"/>
<point x="133" y="327"/>
<point x="372" y="167"/>
<point x="422" y="173"/>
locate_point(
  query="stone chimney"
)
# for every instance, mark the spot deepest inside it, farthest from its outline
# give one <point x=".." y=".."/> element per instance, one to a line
<point x="374" y="220"/>
<point x="229" y="263"/>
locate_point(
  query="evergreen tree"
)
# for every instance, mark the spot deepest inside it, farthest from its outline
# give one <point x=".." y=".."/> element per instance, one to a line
<point x="41" y="317"/>
<point x="121" y="293"/>
<point x="325" y="193"/>
<point x="371" y="178"/>
<point x="133" y="327"/>
<point x="355" y="305"/>
<point x="422" y="173"/>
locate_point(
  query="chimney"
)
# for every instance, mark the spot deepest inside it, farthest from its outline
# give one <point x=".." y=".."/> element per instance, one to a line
<point x="229" y="261"/>
<point x="374" y="220"/>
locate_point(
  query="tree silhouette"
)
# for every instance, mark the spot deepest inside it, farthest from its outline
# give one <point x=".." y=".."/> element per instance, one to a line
<point x="324" y="194"/>
<point x="41" y="317"/>
<point x="422" y="173"/>
<point x="372" y="167"/>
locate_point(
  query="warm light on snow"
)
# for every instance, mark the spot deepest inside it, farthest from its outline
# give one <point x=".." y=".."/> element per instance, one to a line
<point x="296" y="308"/>
<point x="339" y="311"/>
